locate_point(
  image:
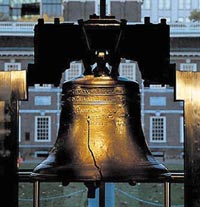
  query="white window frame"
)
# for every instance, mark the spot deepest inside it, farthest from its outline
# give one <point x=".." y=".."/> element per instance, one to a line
<point x="188" y="4"/>
<point x="19" y="128"/>
<point x="188" y="67"/>
<point x="181" y="129"/>
<point x="48" y="130"/>
<point x="152" y="139"/>
<point x="10" y="66"/>
<point x="75" y="70"/>
<point x="164" y="4"/>
<point x="181" y="19"/>
<point x="128" y="70"/>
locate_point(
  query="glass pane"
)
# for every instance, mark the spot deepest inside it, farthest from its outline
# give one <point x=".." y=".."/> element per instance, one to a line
<point x="146" y="194"/>
<point x="25" y="194"/>
<point x="54" y="194"/>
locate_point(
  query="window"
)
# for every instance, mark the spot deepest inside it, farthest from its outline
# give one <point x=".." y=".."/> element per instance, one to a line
<point x="27" y="136"/>
<point x="146" y="4"/>
<point x="184" y="4"/>
<point x="164" y="4"/>
<point x="74" y="71"/>
<point x="183" y="19"/>
<point x="128" y="70"/>
<point x="157" y="86"/>
<point x="157" y="101"/>
<point x="188" y="67"/>
<point x="30" y="8"/>
<point x="41" y="154"/>
<point x="42" y="86"/>
<point x="42" y="128"/>
<point x="158" y="129"/>
<point x="187" y="20"/>
<point x="25" y="1"/>
<point x="181" y="4"/>
<point x="42" y="100"/>
<point x="12" y="66"/>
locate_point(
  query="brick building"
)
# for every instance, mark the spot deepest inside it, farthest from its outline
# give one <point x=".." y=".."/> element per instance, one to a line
<point x="162" y="116"/>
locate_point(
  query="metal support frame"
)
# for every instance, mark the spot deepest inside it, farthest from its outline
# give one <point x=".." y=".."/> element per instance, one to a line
<point x="102" y="194"/>
<point x="36" y="193"/>
<point x="176" y="178"/>
<point x="167" y="188"/>
<point x="102" y="8"/>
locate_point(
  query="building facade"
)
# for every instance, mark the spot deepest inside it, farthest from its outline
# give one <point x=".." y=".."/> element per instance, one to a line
<point x="162" y="116"/>
<point x="172" y="10"/>
<point x="71" y="10"/>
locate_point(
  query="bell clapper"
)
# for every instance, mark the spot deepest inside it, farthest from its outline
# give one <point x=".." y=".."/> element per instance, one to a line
<point x="101" y="69"/>
<point x="92" y="186"/>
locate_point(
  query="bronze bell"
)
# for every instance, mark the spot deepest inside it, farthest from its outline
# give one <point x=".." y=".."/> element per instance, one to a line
<point x="100" y="136"/>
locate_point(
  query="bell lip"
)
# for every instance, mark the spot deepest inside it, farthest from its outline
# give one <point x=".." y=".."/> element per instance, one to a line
<point x="144" y="171"/>
<point x="163" y="177"/>
<point x="148" y="173"/>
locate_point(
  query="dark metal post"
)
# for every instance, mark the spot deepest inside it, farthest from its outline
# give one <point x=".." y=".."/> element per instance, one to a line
<point x="102" y="8"/>
<point x="36" y="193"/>
<point x="102" y="199"/>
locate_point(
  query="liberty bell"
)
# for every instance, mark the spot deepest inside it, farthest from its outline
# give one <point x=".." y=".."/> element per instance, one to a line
<point x="100" y="137"/>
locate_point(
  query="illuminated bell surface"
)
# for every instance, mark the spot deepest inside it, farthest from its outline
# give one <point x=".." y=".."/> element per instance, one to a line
<point x="100" y="135"/>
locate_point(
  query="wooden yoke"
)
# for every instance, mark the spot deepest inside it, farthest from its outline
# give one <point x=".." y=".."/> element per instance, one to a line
<point x="12" y="88"/>
<point x="188" y="90"/>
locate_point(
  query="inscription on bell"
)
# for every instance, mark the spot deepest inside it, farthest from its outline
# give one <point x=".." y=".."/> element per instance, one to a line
<point x="105" y="107"/>
<point x="98" y="120"/>
<point x="97" y="95"/>
<point x="98" y="91"/>
<point x="98" y="99"/>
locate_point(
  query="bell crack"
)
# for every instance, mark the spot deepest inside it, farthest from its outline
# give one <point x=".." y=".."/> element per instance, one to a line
<point x="91" y="152"/>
